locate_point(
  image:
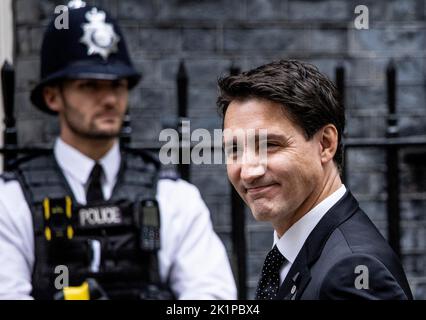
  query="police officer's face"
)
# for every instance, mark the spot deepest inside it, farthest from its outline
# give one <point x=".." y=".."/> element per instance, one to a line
<point x="286" y="185"/>
<point x="91" y="108"/>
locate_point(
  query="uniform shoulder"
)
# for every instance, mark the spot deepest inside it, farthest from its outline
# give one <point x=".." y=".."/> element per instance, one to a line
<point x="10" y="190"/>
<point x="136" y="157"/>
<point x="39" y="160"/>
<point x="7" y="176"/>
<point x="11" y="181"/>
<point x="178" y="190"/>
<point x="176" y="184"/>
<point x="171" y="187"/>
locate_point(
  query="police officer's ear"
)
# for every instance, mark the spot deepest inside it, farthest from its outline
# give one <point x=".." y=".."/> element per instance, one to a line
<point x="52" y="97"/>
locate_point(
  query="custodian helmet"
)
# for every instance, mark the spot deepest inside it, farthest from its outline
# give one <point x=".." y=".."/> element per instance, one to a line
<point x="92" y="47"/>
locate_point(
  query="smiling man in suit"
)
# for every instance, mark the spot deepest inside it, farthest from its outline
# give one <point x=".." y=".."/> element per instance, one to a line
<point x="325" y="246"/>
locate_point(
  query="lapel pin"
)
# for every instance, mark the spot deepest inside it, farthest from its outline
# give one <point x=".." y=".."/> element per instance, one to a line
<point x="293" y="289"/>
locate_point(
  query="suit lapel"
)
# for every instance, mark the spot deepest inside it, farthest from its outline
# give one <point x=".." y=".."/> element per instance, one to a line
<point x="297" y="279"/>
<point x="299" y="274"/>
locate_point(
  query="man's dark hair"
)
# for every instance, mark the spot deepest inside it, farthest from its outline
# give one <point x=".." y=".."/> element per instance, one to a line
<point x="308" y="96"/>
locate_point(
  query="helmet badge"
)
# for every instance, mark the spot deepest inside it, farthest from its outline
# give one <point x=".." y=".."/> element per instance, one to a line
<point x="99" y="36"/>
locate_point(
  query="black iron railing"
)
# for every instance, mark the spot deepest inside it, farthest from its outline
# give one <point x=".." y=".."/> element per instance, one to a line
<point x="391" y="144"/>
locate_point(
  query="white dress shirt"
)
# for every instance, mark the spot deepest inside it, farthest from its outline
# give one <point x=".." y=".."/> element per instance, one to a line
<point x="191" y="256"/>
<point x="293" y="239"/>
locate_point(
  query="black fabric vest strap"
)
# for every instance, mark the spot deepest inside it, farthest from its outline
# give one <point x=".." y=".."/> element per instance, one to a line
<point x="126" y="271"/>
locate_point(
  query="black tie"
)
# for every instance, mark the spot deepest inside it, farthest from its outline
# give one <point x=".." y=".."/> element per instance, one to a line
<point x="269" y="282"/>
<point x="94" y="191"/>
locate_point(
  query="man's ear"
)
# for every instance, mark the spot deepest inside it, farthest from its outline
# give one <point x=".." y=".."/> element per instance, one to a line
<point x="329" y="139"/>
<point x="53" y="98"/>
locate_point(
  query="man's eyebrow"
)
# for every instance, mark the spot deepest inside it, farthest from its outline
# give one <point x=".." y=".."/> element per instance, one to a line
<point x="268" y="136"/>
<point x="275" y="136"/>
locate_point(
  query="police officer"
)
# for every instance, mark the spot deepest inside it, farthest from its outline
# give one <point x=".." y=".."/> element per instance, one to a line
<point x="90" y="212"/>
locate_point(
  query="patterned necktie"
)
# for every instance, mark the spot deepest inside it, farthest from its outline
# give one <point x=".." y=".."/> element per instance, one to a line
<point x="94" y="191"/>
<point x="269" y="282"/>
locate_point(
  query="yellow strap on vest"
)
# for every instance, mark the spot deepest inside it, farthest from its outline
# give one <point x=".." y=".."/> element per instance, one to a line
<point x="77" y="293"/>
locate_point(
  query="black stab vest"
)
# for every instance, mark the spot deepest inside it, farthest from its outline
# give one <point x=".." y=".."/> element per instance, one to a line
<point x="126" y="270"/>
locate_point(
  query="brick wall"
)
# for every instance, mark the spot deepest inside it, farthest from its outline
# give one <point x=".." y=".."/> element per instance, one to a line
<point x="211" y="35"/>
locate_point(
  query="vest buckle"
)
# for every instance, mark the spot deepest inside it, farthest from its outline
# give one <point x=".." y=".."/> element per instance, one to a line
<point x="57" y="214"/>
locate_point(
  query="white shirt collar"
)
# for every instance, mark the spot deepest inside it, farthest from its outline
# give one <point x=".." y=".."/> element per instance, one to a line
<point x="293" y="239"/>
<point x="79" y="166"/>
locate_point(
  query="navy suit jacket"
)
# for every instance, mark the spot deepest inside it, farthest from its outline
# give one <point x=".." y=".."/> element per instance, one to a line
<point x="344" y="246"/>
